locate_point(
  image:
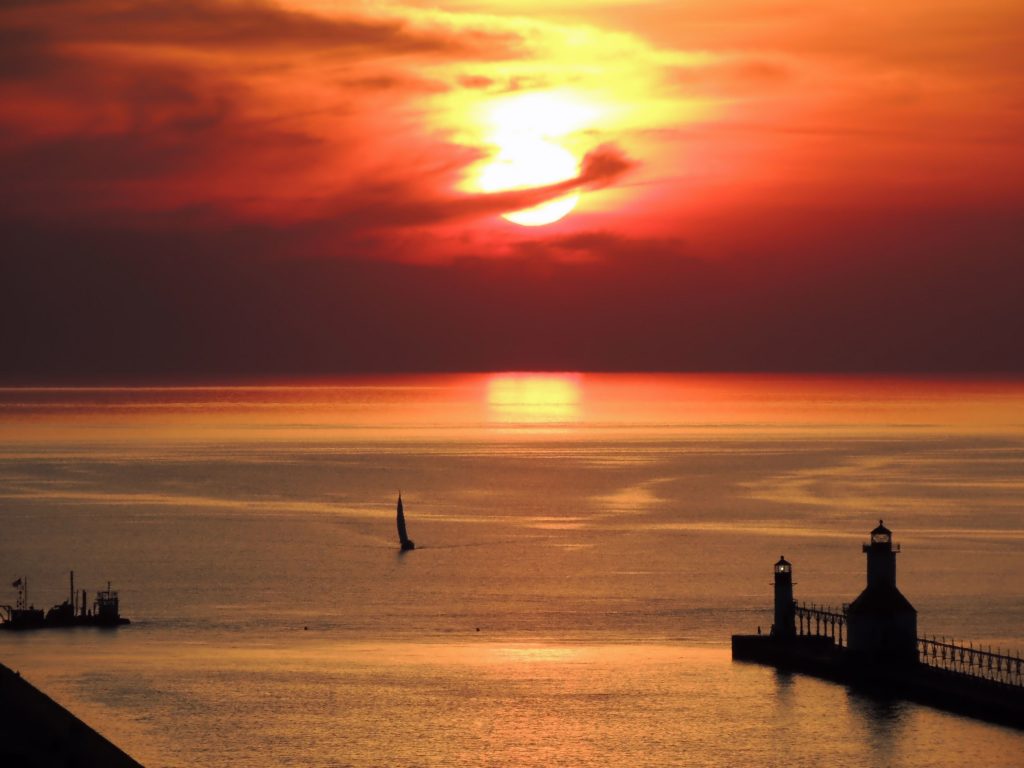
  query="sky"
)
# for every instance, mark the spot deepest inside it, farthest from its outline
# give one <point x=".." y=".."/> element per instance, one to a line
<point x="199" y="189"/>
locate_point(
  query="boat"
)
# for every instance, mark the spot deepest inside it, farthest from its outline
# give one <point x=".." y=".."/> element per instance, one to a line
<point x="73" y="612"/>
<point x="22" y="615"/>
<point x="403" y="537"/>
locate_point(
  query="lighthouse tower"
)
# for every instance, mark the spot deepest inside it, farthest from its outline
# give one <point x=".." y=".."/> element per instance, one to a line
<point x="785" y="611"/>
<point x="882" y="622"/>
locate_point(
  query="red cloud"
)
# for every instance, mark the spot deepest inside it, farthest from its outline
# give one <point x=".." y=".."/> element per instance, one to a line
<point x="120" y="108"/>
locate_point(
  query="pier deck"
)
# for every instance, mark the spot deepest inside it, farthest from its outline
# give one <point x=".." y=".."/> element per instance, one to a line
<point x="952" y="691"/>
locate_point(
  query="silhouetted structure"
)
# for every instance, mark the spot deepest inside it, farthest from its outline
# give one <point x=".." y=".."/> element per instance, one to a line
<point x="872" y="644"/>
<point x="403" y="537"/>
<point x="38" y="732"/>
<point x="785" y="614"/>
<point x="22" y="615"/>
<point x="882" y="622"/>
<point x="73" y="612"/>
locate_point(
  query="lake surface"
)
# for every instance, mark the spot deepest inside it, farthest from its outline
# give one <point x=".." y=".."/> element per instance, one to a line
<point x="585" y="546"/>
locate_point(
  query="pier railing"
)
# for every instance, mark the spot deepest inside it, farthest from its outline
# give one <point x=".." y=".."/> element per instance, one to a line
<point x="821" y="621"/>
<point x="953" y="656"/>
<point x="965" y="659"/>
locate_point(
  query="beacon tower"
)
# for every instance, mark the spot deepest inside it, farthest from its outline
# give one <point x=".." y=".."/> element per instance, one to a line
<point x="785" y="608"/>
<point x="882" y="624"/>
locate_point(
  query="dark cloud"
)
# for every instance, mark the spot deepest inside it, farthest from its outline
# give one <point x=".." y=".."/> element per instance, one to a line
<point x="185" y="133"/>
<point x="172" y="125"/>
<point x="136" y="239"/>
<point x="603" y="165"/>
<point x="475" y="81"/>
<point x="420" y="197"/>
<point x="601" y="245"/>
<point x="25" y="53"/>
<point x="504" y="85"/>
<point x="258" y="26"/>
<point x="105" y="304"/>
<point x="394" y="83"/>
<point x="600" y="167"/>
<point x="95" y="160"/>
<point x="161" y="129"/>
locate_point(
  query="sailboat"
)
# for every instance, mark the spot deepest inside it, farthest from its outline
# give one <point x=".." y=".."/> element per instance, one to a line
<point x="403" y="537"/>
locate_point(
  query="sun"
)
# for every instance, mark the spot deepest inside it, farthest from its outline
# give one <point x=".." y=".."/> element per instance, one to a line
<point x="526" y="163"/>
<point x="533" y="139"/>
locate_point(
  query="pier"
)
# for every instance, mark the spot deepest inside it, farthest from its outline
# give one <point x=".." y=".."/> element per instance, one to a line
<point x="872" y="645"/>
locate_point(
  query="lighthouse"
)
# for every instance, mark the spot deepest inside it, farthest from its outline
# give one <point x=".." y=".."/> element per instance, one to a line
<point x="785" y="612"/>
<point x="882" y="624"/>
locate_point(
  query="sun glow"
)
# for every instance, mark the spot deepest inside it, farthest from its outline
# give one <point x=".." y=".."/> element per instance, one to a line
<point x="532" y="163"/>
<point x="540" y="115"/>
<point x="530" y="131"/>
<point x="534" y="398"/>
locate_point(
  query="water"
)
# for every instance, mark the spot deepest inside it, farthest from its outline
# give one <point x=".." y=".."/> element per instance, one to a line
<point x="585" y="547"/>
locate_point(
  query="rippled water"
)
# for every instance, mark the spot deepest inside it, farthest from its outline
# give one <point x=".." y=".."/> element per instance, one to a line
<point x="585" y="547"/>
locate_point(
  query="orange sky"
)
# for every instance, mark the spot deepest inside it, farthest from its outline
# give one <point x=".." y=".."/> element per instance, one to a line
<point x="793" y="131"/>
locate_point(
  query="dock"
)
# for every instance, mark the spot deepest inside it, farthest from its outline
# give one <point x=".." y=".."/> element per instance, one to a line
<point x="872" y="645"/>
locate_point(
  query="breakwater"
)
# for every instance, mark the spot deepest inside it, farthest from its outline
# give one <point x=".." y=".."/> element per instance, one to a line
<point x="872" y="645"/>
<point x="957" y="692"/>
<point x="37" y="731"/>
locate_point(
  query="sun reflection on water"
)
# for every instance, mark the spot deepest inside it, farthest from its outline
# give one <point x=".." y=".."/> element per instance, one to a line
<point x="534" y="398"/>
<point x="536" y="653"/>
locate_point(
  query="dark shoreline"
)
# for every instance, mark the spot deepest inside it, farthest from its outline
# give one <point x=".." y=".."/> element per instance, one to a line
<point x="37" y="732"/>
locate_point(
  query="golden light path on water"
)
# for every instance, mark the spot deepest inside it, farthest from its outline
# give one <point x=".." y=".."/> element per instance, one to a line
<point x="585" y="546"/>
<point x="431" y="406"/>
<point x="534" y="398"/>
